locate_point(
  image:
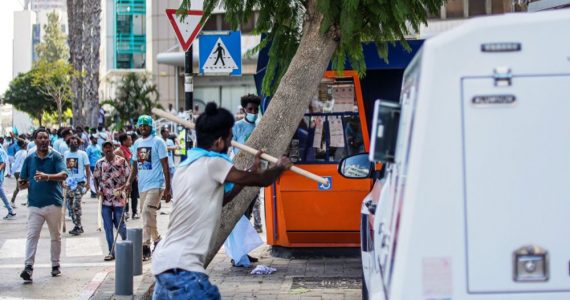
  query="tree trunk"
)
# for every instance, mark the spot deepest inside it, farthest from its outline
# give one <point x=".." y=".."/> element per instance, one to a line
<point x="75" y="17"/>
<point x="91" y="64"/>
<point x="59" y="111"/>
<point x="290" y="102"/>
<point x="40" y="119"/>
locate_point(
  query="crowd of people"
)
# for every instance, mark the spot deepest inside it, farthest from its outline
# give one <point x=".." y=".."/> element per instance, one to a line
<point x="135" y="167"/>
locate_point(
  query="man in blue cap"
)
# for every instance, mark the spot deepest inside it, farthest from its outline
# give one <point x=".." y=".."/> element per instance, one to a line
<point x="151" y="166"/>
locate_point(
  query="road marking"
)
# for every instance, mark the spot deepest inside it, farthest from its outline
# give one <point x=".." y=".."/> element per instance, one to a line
<point x="63" y="265"/>
<point x="93" y="285"/>
<point x="82" y="247"/>
<point x="13" y="248"/>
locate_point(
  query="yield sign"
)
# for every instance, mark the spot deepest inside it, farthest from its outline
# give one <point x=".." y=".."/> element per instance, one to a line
<point x="186" y="30"/>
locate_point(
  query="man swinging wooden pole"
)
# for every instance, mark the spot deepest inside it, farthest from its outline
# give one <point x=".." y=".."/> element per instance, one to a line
<point x="202" y="184"/>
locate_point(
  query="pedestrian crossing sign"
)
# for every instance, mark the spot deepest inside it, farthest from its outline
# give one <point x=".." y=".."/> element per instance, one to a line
<point x="220" y="54"/>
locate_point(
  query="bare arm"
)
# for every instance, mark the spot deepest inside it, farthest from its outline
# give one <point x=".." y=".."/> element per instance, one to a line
<point x="166" y="171"/>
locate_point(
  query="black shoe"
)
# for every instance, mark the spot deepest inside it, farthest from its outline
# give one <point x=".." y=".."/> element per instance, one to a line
<point x="146" y="252"/>
<point x="55" y="271"/>
<point x="136" y="216"/>
<point x="252" y="259"/>
<point x="27" y="274"/>
<point x="76" y="231"/>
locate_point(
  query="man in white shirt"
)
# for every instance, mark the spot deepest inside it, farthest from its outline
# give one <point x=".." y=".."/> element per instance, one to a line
<point x="204" y="182"/>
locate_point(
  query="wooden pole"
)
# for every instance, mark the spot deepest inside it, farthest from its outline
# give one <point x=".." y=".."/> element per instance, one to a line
<point x="250" y="150"/>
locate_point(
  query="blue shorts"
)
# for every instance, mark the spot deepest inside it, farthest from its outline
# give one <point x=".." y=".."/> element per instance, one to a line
<point x="180" y="284"/>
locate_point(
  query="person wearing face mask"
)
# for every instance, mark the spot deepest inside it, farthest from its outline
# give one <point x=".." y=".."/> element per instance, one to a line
<point x="202" y="184"/>
<point x="242" y="131"/>
<point x="78" y="168"/>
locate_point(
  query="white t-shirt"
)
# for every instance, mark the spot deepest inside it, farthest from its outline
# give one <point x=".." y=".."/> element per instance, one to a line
<point x="198" y="192"/>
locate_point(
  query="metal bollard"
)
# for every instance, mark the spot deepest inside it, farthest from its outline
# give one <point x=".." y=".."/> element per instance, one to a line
<point x="124" y="268"/>
<point x="135" y="236"/>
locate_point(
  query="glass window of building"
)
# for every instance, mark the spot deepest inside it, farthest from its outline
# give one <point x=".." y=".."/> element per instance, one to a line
<point x="477" y="8"/>
<point x="454" y="9"/>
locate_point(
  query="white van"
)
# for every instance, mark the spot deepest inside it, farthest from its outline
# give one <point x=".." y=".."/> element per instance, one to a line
<point x="475" y="201"/>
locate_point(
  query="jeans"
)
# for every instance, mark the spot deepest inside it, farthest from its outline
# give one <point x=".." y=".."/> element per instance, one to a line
<point x="3" y="196"/>
<point x="112" y="217"/>
<point x="182" y="284"/>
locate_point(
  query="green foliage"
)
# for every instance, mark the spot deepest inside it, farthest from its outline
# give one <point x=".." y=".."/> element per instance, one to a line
<point x="27" y="97"/>
<point x="54" y="46"/>
<point x="348" y="21"/>
<point x="135" y="95"/>
<point x="51" y="118"/>
<point x="53" y="79"/>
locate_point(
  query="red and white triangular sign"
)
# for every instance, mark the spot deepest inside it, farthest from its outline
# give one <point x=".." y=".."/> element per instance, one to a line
<point x="187" y="30"/>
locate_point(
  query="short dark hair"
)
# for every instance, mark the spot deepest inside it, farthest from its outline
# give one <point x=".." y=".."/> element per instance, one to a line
<point x="21" y="143"/>
<point x="163" y="129"/>
<point x="250" y="98"/>
<point x="76" y="137"/>
<point x="66" y="131"/>
<point x="123" y="137"/>
<point x="212" y="124"/>
<point x="39" y="130"/>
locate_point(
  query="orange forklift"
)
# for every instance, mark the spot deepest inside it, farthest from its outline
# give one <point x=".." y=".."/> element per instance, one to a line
<point x="300" y="212"/>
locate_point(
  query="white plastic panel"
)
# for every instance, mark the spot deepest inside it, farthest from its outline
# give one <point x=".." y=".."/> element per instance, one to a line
<point x="517" y="180"/>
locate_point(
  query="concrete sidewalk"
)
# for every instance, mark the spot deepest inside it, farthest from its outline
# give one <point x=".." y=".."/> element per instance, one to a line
<point x="296" y="278"/>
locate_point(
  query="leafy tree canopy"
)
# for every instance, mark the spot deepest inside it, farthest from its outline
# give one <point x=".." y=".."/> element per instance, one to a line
<point x="350" y="22"/>
<point x="53" y="46"/>
<point x="135" y="95"/>
<point x="27" y="97"/>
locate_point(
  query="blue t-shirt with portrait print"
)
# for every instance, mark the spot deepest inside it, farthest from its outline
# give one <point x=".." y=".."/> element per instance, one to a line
<point x="147" y="155"/>
<point x="76" y="163"/>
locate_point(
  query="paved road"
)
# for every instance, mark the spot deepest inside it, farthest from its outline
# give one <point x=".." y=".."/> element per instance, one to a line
<point x="86" y="275"/>
<point x="81" y="258"/>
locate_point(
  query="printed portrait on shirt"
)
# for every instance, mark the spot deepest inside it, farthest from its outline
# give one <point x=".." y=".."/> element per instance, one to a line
<point x="72" y="165"/>
<point x="144" y="158"/>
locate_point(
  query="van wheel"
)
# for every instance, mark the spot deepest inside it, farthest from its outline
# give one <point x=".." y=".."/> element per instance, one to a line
<point x="364" y="288"/>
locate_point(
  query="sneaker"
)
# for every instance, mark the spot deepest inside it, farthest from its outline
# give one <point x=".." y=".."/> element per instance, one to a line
<point x="27" y="274"/>
<point x="81" y="229"/>
<point x="76" y="231"/>
<point x="55" y="271"/>
<point x="136" y="216"/>
<point x="109" y="258"/>
<point x="10" y="216"/>
<point x="67" y="218"/>
<point x="146" y="252"/>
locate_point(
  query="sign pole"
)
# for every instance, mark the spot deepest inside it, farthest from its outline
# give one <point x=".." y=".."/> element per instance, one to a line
<point x="188" y="81"/>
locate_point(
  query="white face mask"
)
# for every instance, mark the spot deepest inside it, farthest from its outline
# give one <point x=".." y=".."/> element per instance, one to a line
<point x="251" y="117"/>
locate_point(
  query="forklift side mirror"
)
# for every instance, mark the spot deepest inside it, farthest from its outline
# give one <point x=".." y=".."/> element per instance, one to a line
<point x="356" y="166"/>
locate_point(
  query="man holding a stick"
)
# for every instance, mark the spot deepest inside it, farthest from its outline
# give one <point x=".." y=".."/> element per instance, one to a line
<point x="42" y="172"/>
<point x="204" y="182"/>
<point x="110" y="177"/>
